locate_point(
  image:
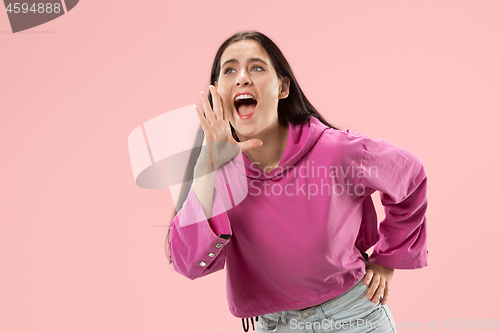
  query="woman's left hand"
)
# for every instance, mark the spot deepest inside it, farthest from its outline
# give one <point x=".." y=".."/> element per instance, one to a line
<point x="377" y="279"/>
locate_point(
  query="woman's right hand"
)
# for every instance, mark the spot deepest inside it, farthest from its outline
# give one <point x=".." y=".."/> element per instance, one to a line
<point x="218" y="137"/>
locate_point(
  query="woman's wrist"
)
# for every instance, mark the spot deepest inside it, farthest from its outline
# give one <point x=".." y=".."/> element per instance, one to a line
<point x="205" y="163"/>
<point x="202" y="169"/>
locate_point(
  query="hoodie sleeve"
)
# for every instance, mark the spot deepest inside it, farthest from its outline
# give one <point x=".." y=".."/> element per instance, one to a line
<point x="198" y="245"/>
<point x="400" y="178"/>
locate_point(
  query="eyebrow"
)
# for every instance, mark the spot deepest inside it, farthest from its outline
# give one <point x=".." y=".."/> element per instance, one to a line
<point x="231" y="61"/>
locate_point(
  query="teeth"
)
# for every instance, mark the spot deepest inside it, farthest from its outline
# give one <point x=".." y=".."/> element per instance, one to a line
<point x="244" y="97"/>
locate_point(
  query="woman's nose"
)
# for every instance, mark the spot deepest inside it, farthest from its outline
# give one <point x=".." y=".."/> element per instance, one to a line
<point x="243" y="79"/>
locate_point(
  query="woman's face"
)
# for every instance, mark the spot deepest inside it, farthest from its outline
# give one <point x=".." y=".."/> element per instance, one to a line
<point x="250" y="88"/>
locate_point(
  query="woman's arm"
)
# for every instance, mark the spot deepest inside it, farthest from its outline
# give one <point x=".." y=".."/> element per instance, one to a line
<point x="201" y="228"/>
<point x="203" y="183"/>
<point x="218" y="148"/>
<point x="400" y="178"/>
<point x="197" y="244"/>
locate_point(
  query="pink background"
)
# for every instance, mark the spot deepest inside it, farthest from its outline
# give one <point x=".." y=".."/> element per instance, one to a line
<point x="82" y="246"/>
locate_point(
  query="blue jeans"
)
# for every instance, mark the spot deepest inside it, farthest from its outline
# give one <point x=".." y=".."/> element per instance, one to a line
<point x="350" y="312"/>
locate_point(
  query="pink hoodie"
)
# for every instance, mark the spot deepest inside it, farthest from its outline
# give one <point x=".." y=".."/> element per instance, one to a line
<point x="295" y="238"/>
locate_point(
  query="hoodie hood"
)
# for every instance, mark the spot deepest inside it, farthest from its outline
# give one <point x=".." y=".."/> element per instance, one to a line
<point x="301" y="138"/>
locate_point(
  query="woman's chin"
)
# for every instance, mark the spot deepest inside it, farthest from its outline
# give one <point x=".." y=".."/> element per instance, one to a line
<point x="246" y="130"/>
<point x="245" y="127"/>
<point x="245" y="133"/>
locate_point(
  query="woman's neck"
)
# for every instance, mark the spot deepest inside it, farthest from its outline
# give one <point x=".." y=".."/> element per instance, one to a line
<point x="270" y="153"/>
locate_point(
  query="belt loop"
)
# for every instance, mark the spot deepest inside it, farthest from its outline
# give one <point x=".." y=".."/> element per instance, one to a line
<point x="321" y="313"/>
<point x="283" y="317"/>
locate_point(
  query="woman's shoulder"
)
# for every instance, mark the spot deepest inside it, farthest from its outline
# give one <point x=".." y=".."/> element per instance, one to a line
<point x="330" y="133"/>
<point x="340" y="143"/>
<point x="344" y="136"/>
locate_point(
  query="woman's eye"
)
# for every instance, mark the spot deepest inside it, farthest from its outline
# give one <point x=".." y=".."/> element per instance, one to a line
<point x="257" y="68"/>
<point x="229" y="71"/>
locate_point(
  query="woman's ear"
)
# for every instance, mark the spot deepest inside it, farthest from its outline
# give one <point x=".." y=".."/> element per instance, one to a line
<point x="215" y="84"/>
<point x="284" y="87"/>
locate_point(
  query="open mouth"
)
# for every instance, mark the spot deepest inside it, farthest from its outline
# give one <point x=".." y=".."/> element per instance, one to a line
<point x="245" y="105"/>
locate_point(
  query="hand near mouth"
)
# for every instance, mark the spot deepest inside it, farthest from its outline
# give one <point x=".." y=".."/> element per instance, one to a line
<point x="220" y="142"/>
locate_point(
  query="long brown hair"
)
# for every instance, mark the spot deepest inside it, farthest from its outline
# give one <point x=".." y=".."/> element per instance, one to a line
<point x="296" y="108"/>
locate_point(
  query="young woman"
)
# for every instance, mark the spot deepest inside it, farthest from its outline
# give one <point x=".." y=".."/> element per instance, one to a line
<point x="294" y="246"/>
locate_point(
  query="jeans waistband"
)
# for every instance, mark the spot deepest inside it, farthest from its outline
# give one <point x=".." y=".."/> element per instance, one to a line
<point x="323" y="310"/>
